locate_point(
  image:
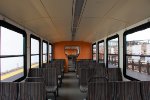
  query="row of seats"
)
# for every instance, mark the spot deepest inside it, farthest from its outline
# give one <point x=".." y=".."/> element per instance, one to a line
<point x="84" y="63"/>
<point x="103" y="83"/>
<point x="22" y="91"/>
<point x="38" y="83"/>
<point x="46" y="75"/>
<point x="89" y="71"/>
<point x="87" y="74"/>
<point x="119" y="90"/>
<point x="52" y="74"/>
<point x="59" y="65"/>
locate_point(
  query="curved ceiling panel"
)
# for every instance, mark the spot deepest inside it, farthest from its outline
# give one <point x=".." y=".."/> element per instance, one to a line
<point x="52" y="19"/>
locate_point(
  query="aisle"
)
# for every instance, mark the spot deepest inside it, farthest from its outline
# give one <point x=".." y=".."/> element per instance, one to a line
<point x="70" y="89"/>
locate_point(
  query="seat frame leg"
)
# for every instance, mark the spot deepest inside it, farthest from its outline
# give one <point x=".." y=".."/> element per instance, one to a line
<point x="55" y="95"/>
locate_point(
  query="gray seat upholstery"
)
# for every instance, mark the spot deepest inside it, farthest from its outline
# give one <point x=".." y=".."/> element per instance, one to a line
<point x="51" y="88"/>
<point x="31" y="91"/>
<point x="145" y="90"/>
<point x="45" y="65"/>
<point x="34" y="79"/>
<point x="50" y="76"/>
<point x="132" y="90"/>
<point x="97" y="91"/>
<point x="114" y="91"/>
<point x="83" y="79"/>
<point x="8" y="91"/>
<point x="83" y="88"/>
<point x="114" y="74"/>
<point x="36" y="72"/>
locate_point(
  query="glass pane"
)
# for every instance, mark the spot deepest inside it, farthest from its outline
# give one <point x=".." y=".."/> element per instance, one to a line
<point x="34" y="46"/>
<point x="138" y="67"/>
<point x="101" y="52"/>
<point x="94" y="56"/>
<point x="138" y="43"/>
<point x="11" y="68"/>
<point x="44" y="48"/>
<point x="50" y="57"/>
<point x="44" y="58"/>
<point x="94" y="48"/>
<point x="138" y="55"/>
<point x="113" y="46"/>
<point x="11" y="42"/>
<point x="35" y="61"/>
<point x="113" y="61"/>
<point x="113" y="53"/>
<point x="50" y="48"/>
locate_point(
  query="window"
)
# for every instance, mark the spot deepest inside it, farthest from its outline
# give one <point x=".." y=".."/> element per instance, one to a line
<point x="50" y="52"/>
<point x="45" y="52"/>
<point x="94" y="51"/>
<point x="112" y="52"/>
<point x="12" y="53"/>
<point x="35" y="52"/>
<point x="101" y="50"/>
<point x="137" y="53"/>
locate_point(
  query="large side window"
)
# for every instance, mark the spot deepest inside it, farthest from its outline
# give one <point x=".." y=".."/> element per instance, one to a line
<point x="112" y="52"/>
<point x="45" y="52"/>
<point x="94" y="51"/>
<point x="12" y="53"/>
<point x="35" y="51"/>
<point x="50" y="52"/>
<point x="137" y="53"/>
<point x="101" y="51"/>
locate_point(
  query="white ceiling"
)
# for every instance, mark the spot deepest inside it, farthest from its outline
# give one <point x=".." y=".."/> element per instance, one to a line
<point x="52" y="18"/>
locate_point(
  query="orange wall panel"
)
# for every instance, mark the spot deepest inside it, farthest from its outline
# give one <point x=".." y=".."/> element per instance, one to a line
<point x="85" y="50"/>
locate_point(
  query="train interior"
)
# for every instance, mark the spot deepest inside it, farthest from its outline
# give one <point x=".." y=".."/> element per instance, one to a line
<point x="74" y="50"/>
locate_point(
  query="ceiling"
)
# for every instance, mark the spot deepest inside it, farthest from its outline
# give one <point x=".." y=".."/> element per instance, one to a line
<point x="52" y="19"/>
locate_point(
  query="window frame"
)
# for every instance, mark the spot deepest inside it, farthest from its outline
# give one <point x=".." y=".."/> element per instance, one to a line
<point x="19" y="31"/>
<point x="102" y="41"/>
<point x="93" y="52"/>
<point x="51" y="52"/>
<point x="127" y="32"/>
<point x="110" y="38"/>
<point x="46" y="50"/>
<point x="36" y="38"/>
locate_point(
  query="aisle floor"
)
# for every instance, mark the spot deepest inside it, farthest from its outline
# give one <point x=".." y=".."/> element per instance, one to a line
<point x="70" y="88"/>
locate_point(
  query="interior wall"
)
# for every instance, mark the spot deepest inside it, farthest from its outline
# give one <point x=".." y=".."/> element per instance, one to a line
<point x="120" y="33"/>
<point x="59" y="53"/>
<point x="28" y="33"/>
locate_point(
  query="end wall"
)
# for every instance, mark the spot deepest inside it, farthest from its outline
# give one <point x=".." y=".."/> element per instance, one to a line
<point x="59" y="53"/>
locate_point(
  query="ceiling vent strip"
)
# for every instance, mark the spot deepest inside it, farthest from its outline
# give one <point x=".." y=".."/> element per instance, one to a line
<point x="77" y="13"/>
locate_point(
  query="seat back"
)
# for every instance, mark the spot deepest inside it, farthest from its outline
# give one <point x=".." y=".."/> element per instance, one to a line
<point x="50" y="76"/>
<point x="145" y="90"/>
<point x="98" y="79"/>
<point x="31" y="91"/>
<point x="114" y="91"/>
<point x="36" y="72"/>
<point x="34" y="79"/>
<point x="97" y="91"/>
<point x="83" y="76"/>
<point x="44" y="65"/>
<point x="8" y="91"/>
<point x="114" y="74"/>
<point x="101" y="72"/>
<point x="58" y="68"/>
<point x="132" y="90"/>
<point x="91" y="73"/>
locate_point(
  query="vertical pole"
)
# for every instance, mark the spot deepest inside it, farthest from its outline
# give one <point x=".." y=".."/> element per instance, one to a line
<point x="140" y="64"/>
<point x="132" y="65"/>
<point x="148" y="71"/>
<point x="0" y="53"/>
